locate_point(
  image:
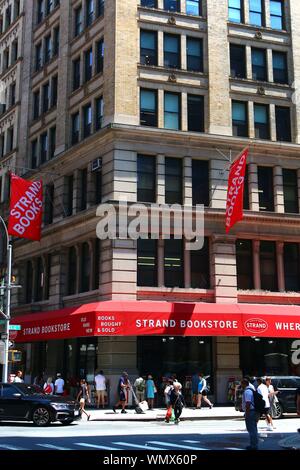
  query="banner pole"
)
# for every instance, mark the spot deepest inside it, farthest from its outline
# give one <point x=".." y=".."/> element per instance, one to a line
<point x="7" y="319"/>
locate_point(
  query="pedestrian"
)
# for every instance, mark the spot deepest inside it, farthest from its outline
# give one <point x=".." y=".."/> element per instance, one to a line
<point x="251" y="416"/>
<point x="19" y="377"/>
<point x="202" y="392"/>
<point x="140" y="387"/>
<point x="100" y="384"/>
<point x="176" y="401"/>
<point x="123" y="387"/>
<point x="39" y="380"/>
<point x="83" y="396"/>
<point x="59" y="385"/>
<point x="167" y="392"/>
<point x="195" y="383"/>
<point x="48" y="386"/>
<point x="263" y="390"/>
<point x="150" y="391"/>
<point x="272" y="397"/>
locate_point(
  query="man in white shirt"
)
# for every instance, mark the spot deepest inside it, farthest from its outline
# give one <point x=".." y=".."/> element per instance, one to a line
<point x="250" y="414"/>
<point x="59" y="385"/>
<point x="263" y="390"/>
<point x="100" y="382"/>
<point x="18" y="377"/>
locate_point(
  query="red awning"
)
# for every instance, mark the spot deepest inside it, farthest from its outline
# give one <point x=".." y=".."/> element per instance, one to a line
<point x="141" y="318"/>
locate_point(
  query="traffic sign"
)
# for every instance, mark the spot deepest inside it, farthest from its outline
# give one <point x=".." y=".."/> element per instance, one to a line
<point x="15" y="327"/>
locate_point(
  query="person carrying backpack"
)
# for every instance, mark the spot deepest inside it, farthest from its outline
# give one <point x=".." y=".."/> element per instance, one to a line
<point x="251" y="414"/>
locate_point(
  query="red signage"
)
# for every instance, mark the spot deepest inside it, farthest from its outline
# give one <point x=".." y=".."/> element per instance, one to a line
<point x="235" y="192"/>
<point x="26" y="206"/>
<point x="129" y="318"/>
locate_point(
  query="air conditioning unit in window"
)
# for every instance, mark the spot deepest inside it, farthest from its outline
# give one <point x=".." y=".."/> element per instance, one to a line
<point x="96" y="164"/>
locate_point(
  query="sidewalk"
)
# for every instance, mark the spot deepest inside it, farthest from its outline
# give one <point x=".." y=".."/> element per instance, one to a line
<point x="158" y="414"/>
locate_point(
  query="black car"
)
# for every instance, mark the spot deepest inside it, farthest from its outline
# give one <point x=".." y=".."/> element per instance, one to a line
<point x="22" y="402"/>
<point x="286" y="386"/>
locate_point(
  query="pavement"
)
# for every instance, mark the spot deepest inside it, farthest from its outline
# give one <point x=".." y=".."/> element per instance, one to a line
<point x="158" y="414"/>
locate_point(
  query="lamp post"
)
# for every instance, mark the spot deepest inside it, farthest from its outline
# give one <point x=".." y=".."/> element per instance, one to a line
<point x="6" y="315"/>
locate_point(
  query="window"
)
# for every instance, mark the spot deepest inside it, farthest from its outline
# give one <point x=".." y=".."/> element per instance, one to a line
<point x="55" y="41"/>
<point x="100" y="7"/>
<point x="172" y="117"/>
<point x="149" y="3"/>
<point x="100" y="56"/>
<point x="268" y="266"/>
<point x="173" y="180"/>
<point x="277" y="14"/>
<point x="244" y="264"/>
<point x="200" y="273"/>
<point x="97" y="181"/>
<point x="147" y="263"/>
<point x="195" y="113"/>
<point x="172" y="51"/>
<point x="88" y="64"/>
<point x="72" y="271"/>
<point x="29" y="282"/>
<point x="259" y="65"/>
<point x="46" y="97"/>
<point x="8" y="16"/>
<point x="14" y="52"/>
<point x="75" y="128"/>
<point x="49" y="6"/>
<point x="290" y="191"/>
<point x="10" y="139"/>
<point x="194" y="51"/>
<point x="291" y="257"/>
<point x="89" y="13"/>
<point x="172" y="5"/>
<point x="200" y="182"/>
<point x="146" y="178"/>
<point x="256" y="13"/>
<point x="5" y="59"/>
<point x="237" y="61"/>
<point x="36" y="104"/>
<point x="8" y="392"/>
<point x="246" y="202"/>
<point x="280" y="70"/>
<point x="87" y="121"/>
<point x="40" y="11"/>
<point x="16" y="9"/>
<point x="148" y="41"/>
<point x="48" y="49"/>
<point x="54" y="91"/>
<point x="68" y="196"/>
<point x="34" y="153"/>
<point x="83" y="189"/>
<point x="76" y="74"/>
<point x="98" y="113"/>
<point x="193" y="7"/>
<point x="261" y="121"/>
<point x="173" y="263"/>
<point x="38" y="57"/>
<point x="283" y="124"/>
<point x="78" y="21"/>
<point x="239" y="119"/>
<point x="49" y="203"/>
<point x="43" y="147"/>
<point x="85" y="268"/>
<point x="148" y="108"/>
<point x="265" y="188"/>
<point x="235" y="12"/>
<point x="52" y="143"/>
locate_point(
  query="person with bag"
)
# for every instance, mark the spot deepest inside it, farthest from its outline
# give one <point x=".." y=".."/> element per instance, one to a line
<point x="83" y="396"/>
<point x="48" y="387"/>
<point x="251" y="415"/>
<point x="202" y="392"/>
<point x="263" y="390"/>
<point x="176" y="401"/>
<point x="140" y="387"/>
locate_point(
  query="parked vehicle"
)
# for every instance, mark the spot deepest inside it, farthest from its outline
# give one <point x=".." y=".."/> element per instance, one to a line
<point x="22" y="402"/>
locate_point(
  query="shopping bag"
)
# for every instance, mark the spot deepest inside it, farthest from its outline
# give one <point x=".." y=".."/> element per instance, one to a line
<point x="168" y="414"/>
<point x="172" y="416"/>
<point x="143" y="405"/>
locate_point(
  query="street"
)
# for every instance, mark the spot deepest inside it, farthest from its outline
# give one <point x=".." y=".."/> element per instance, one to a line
<point x="155" y="435"/>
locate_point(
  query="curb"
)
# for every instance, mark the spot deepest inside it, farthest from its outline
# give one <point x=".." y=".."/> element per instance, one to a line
<point x="162" y="418"/>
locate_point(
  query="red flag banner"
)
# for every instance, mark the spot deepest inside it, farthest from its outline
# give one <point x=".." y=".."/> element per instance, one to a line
<point x="26" y="208"/>
<point x="235" y="192"/>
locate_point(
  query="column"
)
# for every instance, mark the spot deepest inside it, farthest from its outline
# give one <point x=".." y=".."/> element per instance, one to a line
<point x="246" y="11"/>
<point x="270" y="65"/>
<point x="160" y="48"/>
<point x="160" y="179"/>
<point x="273" y="133"/>
<point x="91" y="188"/>
<point x="183" y="52"/>
<point x="267" y="14"/>
<point x="161" y="262"/>
<point x="278" y="190"/>
<point x="226" y="364"/>
<point x="160" y="108"/>
<point x="187" y="267"/>
<point x="248" y="63"/>
<point x="184" y="112"/>
<point x="224" y="267"/>
<point x="256" y="264"/>
<point x="253" y="187"/>
<point x="187" y="182"/>
<point x="251" y="125"/>
<point x="76" y="192"/>
<point x="183" y="6"/>
<point x="92" y="250"/>
<point x="280" y="266"/>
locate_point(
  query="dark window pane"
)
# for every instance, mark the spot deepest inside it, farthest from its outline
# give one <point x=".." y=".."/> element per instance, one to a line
<point x="200" y="273"/>
<point x="290" y="191"/>
<point x="265" y="188"/>
<point x="75" y="128"/>
<point x="172" y="5"/>
<point x="235" y="12"/>
<point x="173" y="180"/>
<point x="256" y="13"/>
<point x="259" y="64"/>
<point x="283" y="124"/>
<point x="172" y="51"/>
<point x="173" y="263"/>
<point x="194" y="50"/>
<point x="146" y="178"/>
<point x="200" y="182"/>
<point x="291" y="257"/>
<point x="277" y="14"/>
<point x="149" y="3"/>
<point x="172" y="116"/>
<point x="85" y="268"/>
<point x="261" y="121"/>
<point x="246" y="204"/>
<point x="268" y="266"/>
<point x="68" y="196"/>
<point x="194" y="7"/>
<point x="72" y="271"/>
<point x="148" y="108"/>
<point x="244" y="264"/>
<point x="100" y="56"/>
<point x="147" y="263"/>
<point x="148" y="47"/>
<point x="83" y="189"/>
<point x="280" y="69"/>
<point x="49" y="203"/>
<point x="76" y="74"/>
<point x="240" y="118"/>
<point x="237" y="61"/>
<point x="87" y="121"/>
<point x="195" y="113"/>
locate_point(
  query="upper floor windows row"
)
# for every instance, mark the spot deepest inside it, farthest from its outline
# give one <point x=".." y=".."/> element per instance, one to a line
<point x="10" y="15"/>
<point x="45" y="97"/>
<point x="44" y="8"/>
<point x="193" y="7"/>
<point x="43" y="148"/>
<point x="9" y="98"/>
<point x="86" y="13"/>
<point x="7" y="141"/>
<point x="89" y="63"/>
<point x="10" y="56"/>
<point x="86" y="121"/>
<point x="171" y="51"/>
<point x="47" y="49"/>
<point x="257" y="12"/>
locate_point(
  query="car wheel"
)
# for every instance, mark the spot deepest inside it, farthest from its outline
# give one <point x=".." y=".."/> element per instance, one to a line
<point x="277" y="411"/>
<point x="41" y="417"/>
<point x="67" y="421"/>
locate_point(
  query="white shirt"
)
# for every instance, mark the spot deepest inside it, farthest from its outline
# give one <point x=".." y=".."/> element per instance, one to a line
<point x="18" y="380"/>
<point x="263" y="390"/>
<point x="100" y="382"/>
<point x="59" y="385"/>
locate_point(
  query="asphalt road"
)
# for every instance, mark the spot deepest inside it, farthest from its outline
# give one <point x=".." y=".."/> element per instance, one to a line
<point x="186" y="436"/>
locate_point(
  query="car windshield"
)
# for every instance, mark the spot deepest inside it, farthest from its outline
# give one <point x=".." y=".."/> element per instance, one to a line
<point x="30" y="389"/>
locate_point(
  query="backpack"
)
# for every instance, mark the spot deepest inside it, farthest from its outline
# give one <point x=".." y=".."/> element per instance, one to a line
<point x="259" y="402"/>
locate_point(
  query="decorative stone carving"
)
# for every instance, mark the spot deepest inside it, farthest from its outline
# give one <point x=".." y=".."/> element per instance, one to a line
<point x="172" y="20"/>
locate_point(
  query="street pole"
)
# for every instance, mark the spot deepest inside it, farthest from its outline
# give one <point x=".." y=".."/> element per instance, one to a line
<point x="8" y="300"/>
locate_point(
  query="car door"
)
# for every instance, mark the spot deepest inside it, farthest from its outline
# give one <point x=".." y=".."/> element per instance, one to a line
<point x="12" y="403"/>
<point x="289" y="391"/>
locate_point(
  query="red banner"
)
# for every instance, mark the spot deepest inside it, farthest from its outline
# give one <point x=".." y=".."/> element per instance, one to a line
<point x="26" y="208"/>
<point x="235" y="192"/>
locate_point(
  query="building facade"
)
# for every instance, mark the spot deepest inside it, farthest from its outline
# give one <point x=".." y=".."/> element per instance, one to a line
<point x="151" y="110"/>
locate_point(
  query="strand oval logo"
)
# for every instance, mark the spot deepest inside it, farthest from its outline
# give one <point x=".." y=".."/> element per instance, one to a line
<point x="256" y="325"/>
